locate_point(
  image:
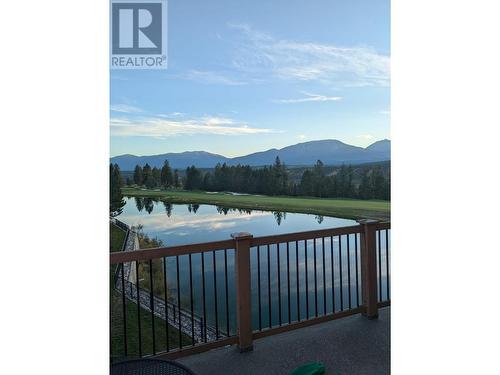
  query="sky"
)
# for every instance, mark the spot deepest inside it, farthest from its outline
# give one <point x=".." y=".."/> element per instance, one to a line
<point x="247" y="76"/>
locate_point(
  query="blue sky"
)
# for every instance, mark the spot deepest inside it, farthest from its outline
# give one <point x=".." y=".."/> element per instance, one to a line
<point x="249" y="76"/>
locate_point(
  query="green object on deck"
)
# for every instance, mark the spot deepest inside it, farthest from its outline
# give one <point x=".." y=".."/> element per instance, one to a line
<point x="313" y="368"/>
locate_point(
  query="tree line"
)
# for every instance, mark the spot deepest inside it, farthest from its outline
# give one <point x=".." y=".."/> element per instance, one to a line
<point x="269" y="180"/>
<point x="156" y="178"/>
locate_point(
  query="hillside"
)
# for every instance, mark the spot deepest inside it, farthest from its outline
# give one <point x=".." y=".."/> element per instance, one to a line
<point x="330" y="152"/>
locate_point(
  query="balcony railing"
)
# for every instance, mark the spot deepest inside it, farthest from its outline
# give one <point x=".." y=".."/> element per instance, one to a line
<point x="180" y="300"/>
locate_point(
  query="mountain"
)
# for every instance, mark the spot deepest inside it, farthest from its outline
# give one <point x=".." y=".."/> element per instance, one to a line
<point x="181" y="160"/>
<point x="330" y="152"/>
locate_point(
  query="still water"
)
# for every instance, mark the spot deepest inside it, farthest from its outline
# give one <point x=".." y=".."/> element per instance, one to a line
<point x="331" y="287"/>
<point x="177" y="224"/>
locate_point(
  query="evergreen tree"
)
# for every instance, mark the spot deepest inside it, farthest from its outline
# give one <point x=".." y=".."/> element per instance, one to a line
<point x="167" y="178"/>
<point x="177" y="180"/>
<point x="116" y="201"/>
<point x="138" y="175"/>
<point x="364" y="189"/>
<point x="207" y="182"/>
<point x="193" y="178"/>
<point x="306" y="186"/>
<point x="156" y="177"/>
<point x="147" y="177"/>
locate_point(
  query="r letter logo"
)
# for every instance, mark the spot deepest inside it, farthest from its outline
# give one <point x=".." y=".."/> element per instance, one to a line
<point x="138" y="34"/>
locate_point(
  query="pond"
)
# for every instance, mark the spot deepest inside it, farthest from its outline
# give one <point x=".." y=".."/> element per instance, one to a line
<point x="177" y="224"/>
<point x="326" y="290"/>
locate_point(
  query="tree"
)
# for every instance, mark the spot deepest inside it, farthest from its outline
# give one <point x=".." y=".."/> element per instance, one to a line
<point x="364" y="189"/>
<point x="167" y="178"/>
<point x="177" y="180"/>
<point x="156" y="177"/>
<point x="138" y="175"/>
<point x="319" y="179"/>
<point x="116" y="201"/>
<point x="207" y="182"/>
<point x="306" y="186"/>
<point x="193" y="178"/>
<point x="147" y="177"/>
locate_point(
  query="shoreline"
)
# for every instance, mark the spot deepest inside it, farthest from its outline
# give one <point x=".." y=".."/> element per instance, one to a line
<point x="335" y="207"/>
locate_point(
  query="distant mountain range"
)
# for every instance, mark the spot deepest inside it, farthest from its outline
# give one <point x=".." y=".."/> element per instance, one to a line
<point x="329" y="151"/>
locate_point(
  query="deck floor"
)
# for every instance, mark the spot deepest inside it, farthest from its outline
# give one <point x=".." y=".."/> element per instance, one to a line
<point x="351" y="345"/>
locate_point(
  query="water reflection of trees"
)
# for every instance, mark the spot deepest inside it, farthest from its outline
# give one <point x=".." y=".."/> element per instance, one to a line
<point x="148" y="204"/>
<point x="168" y="208"/>
<point x="193" y="207"/>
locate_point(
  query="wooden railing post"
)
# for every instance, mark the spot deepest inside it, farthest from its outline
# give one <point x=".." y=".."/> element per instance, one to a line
<point x="369" y="268"/>
<point x="243" y="290"/>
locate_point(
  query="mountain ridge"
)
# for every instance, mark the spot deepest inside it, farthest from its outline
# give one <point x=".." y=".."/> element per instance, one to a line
<point x="329" y="151"/>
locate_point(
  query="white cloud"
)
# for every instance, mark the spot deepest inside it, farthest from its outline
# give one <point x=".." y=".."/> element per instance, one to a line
<point x="209" y="77"/>
<point x="172" y="114"/>
<point x="162" y="128"/>
<point x="302" y="137"/>
<point x="260" y="53"/>
<point x="384" y="112"/>
<point x="124" y="108"/>
<point x="310" y="98"/>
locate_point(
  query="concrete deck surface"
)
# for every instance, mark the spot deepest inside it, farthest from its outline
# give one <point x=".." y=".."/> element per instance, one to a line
<point x="352" y="345"/>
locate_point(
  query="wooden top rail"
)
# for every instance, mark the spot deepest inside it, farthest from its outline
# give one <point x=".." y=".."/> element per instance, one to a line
<point x="146" y="254"/>
<point x="382" y="226"/>
<point x="159" y="252"/>
<point x="308" y="235"/>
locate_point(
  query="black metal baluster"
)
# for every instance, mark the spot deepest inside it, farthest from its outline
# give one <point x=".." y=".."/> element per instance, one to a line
<point x="307" y="282"/>
<point x="387" y="260"/>
<point x="191" y="298"/>
<point x="204" y="327"/>
<point x="379" y="266"/>
<point x="340" y="275"/>
<point x="269" y="285"/>
<point x="279" y="283"/>
<point x="288" y="279"/>
<point x="324" y="275"/>
<point x="124" y="311"/>
<point x="151" y="302"/>
<point x="333" y="275"/>
<point x="138" y="306"/>
<point x="166" y="302"/>
<point x="227" y="293"/>
<point x="357" y="269"/>
<point x="315" y="281"/>
<point x="297" y="279"/>
<point x="179" y="301"/>
<point x="258" y="288"/>
<point x="215" y="297"/>
<point x="349" y="270"/>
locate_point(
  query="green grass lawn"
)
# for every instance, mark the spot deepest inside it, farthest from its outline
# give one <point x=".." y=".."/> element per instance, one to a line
<point x="117" y="331"/>
<point x="116" y="238"/>
<point x="346" y="208"/>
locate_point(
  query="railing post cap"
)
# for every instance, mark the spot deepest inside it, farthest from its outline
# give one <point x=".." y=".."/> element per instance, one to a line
<point x="367" y="221"/>
<point x="241" y="235"/>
